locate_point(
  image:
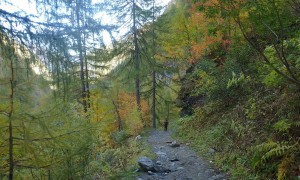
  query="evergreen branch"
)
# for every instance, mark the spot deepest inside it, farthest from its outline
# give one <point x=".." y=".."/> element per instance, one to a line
<point x="265" y="58"/>
<point x="4" y="113"/>
<point x="168" y="86"/>
<point x="28" y="21"/>
<point x="49" y="138"/>
<point x="32" y="166"/>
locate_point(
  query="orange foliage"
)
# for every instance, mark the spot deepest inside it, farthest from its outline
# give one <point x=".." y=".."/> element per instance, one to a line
<point x="127" y="106"/>
<point x="103" y="112"/>
<point x="217" y="24"/>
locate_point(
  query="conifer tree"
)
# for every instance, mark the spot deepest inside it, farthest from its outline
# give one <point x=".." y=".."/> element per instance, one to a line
<point x="133" y="14"/>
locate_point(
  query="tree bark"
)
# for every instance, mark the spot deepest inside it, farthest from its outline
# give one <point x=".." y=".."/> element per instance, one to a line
<point x="153" y="73"/>
<point x="86" y="76"/>
<point x="154" y="100"/>
<point x="136" y="58"/>
<point x="79" y="43"/>
<point x="120" y="124"/>
<point x="11" y="145"/>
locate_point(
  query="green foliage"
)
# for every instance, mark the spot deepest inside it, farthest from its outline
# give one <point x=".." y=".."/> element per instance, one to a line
<point x="115" y="163"/>
<point x="220" y="84"/>
<point x="235" y="81"/>
<point x="282" y="125"/>
<point x="279" y="156"/>
<point x="252" y="111"/>
<point x="120" y="137"/>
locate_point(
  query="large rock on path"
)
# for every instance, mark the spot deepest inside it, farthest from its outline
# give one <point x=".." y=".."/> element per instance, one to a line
<point x="146" y="164"/>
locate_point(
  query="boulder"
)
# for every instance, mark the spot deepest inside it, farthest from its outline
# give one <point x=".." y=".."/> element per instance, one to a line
<point x="146" y="164"/>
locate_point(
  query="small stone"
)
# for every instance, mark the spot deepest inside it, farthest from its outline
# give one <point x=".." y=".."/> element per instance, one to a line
<point x="160" y="153"/>
<point x="158" y="163"/>
<point x="217" y="177"/>
<point x="151" y="173"/>
<point x="174" y="159"/>
<point x="211" y="151"/>
<point x="138" y="137"/>
<point x="209" y="171"/>
<point x="174" y="144"/>
<point x="180" y="168"/>
<point x="137" y="170"/>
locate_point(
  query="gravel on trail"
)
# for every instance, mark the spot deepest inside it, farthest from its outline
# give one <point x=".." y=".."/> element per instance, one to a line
<point x="176" y="161"/>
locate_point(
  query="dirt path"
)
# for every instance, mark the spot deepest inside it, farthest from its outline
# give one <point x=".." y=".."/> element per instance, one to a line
<point x="179" y="162"/>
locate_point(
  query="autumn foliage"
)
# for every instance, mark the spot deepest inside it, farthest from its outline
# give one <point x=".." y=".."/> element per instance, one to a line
<point x="133" y="119"/>
<point x="103" y="113"/>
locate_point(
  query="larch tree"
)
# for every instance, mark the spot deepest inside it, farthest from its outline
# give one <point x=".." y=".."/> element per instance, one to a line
<point x="132" y="16"/>
<point x="35" y="135"/>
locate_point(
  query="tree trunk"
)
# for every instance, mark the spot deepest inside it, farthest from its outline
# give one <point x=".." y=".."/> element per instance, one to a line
<point x="78" y="2"/>
<point x="153" y="73"/>
<point x="11" y="145"/>
<point x="154" y="100"/>
<point x="86" y="77"/>
<point x="120" y="124"/>
<point x="136" y="57"/>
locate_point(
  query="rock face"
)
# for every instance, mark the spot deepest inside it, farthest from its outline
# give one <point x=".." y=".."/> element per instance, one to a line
<point x="146" y="164"/>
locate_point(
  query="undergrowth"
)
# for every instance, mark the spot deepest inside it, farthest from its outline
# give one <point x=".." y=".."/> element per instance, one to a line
<point x="120" y="163"/>
<point x="256" y="138"/>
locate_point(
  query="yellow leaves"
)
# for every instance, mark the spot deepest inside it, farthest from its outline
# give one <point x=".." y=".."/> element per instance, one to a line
<point x="133" y="122"/>
<point x="285" y="166"/>
<point x="129" y="113"/>
<point x="244" y="15"/>
<point x="101" y="107"/>
<point x="103" y="114"/>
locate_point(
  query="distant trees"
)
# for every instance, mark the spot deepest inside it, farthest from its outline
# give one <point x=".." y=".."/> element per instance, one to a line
<point x="139" y="50"/>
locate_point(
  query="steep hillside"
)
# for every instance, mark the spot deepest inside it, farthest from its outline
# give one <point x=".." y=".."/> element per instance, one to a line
<point x="240" y="97"/>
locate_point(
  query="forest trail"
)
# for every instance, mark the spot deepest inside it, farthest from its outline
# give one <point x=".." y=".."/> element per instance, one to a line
<point x="178" y="161"/>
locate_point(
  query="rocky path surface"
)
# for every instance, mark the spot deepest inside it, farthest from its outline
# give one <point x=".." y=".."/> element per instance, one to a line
<point x="176" y="161"/>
